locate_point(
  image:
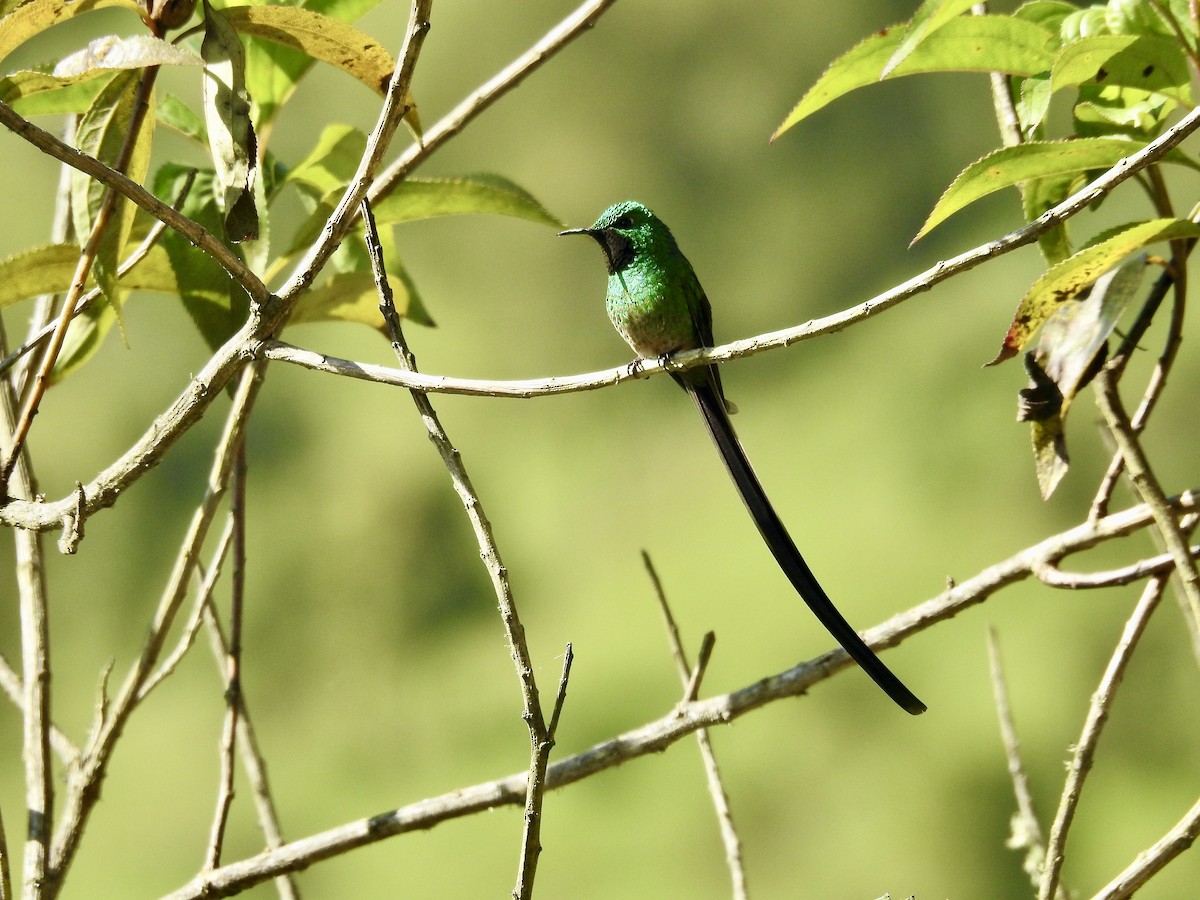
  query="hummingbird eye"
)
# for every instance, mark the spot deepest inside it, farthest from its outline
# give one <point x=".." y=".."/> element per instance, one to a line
<point x="623" y="222"/>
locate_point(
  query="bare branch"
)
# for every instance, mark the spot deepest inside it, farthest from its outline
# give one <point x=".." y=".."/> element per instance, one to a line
<point x="1026" y="830"/>
<point x="1085" y="748"/>
<point x="84" y="788"/>
<point x="1154" y="859"/>
<point x="716" y="787"/>
<point x="684" y="719"/>
<point x="1109" y="400"/>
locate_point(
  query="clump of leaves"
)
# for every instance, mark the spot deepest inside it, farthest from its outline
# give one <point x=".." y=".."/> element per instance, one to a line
<point x="249" y="61"/>
<point x="1124" y="68"/>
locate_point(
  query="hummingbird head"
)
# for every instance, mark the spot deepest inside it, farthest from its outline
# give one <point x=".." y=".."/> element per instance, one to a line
<point x="624" y="231"/>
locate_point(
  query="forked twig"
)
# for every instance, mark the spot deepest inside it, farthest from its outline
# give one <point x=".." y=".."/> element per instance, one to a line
<point x="691" y="684"/>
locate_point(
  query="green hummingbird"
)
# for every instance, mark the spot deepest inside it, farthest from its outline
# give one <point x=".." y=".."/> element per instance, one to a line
<point x="657" y="305"/>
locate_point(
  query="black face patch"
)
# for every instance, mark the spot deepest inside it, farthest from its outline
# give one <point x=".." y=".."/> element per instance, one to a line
<point x="618" y="249"/>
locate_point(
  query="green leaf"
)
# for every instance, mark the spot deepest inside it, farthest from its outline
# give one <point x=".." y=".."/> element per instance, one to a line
<point x="115" y="52"/>
<point x="929" y="17"/>
<point x="1146" y="62"/>
<point x="332" y="162"/>
<point x="85" y="334"/>
<point x="230" y="133"/>
<point x="349" y="294"/>
<point x="415" y="198"/>
<point x="964" y="44"/>
<point x="1031" y="161"/>
<point x="180" y="117"/>
<point x="216" y="304"/>
<point x="1065" y="280"/>
<point x="1037" y="197"/>
<point x="41" y="270"/>
<point x="101" y="133"/>
<point x="40" y="93"/>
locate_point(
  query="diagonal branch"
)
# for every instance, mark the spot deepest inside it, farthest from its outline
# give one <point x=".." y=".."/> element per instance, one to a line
<point x="676" y="724"/>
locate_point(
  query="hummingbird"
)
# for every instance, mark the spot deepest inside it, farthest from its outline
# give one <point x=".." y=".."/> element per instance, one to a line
<point x="657" y="305"/>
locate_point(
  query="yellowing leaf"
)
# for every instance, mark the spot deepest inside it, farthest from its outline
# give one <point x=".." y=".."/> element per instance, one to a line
<point x="1072" y="275"/>
<point x="325" y="38"/>
<point x="40" y="270"/>
<point x="36" y="16"/>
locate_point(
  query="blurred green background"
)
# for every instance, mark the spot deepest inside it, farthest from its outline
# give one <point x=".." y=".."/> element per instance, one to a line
<point x="376" y="668"/>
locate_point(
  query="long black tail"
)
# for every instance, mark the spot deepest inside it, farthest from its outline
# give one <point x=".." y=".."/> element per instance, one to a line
<point x="712" y="408"/>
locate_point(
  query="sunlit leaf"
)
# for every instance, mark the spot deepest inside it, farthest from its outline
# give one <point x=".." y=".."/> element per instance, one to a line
<point x="964" y="44"/>
<point x="349" y="294"/>
<point x="115" y="52"/>
<point x="325" y="38"/>
<point x="1146" y="62"/>
<point x="929" y="17"/>
<point x="332" y="162"/>
<point x="415" y="198"/>
<point x="36" y="16"/>
<point x="41" y="270"/>
<point x="1072" y="275"/>
<point x="273" y="70"/>
<point x="180" y="117"/>
<point x="230" y="133"/>
<point x="43" y="94"/>
<point x="102" y="133"/>
<point x="1030" y="161"/>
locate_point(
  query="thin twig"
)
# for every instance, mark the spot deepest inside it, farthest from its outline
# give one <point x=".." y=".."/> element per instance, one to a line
<point x="14" y="689"/>
<point x="677" y="723"/>
<point x="84" y="788"/>
<point x="716" y="787"/>
<point x="1175" y="279"/>
<point x="36" y="389"/>
<point x="35" y="661"/>
<point x="146" y="452"/>
<point x="1002" y="98"/>
<point x="252" y="758"/>
<point x="1085" y="748"/>
<point x="1109" y="401"/>
<point x="1026" y="831"/>
<point x="391" y="114"/>
<point x="208" y="580"/>
<point x="233" y="662"/>
<point x="489" y="552"/>
<point x="1152" y="860"/>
